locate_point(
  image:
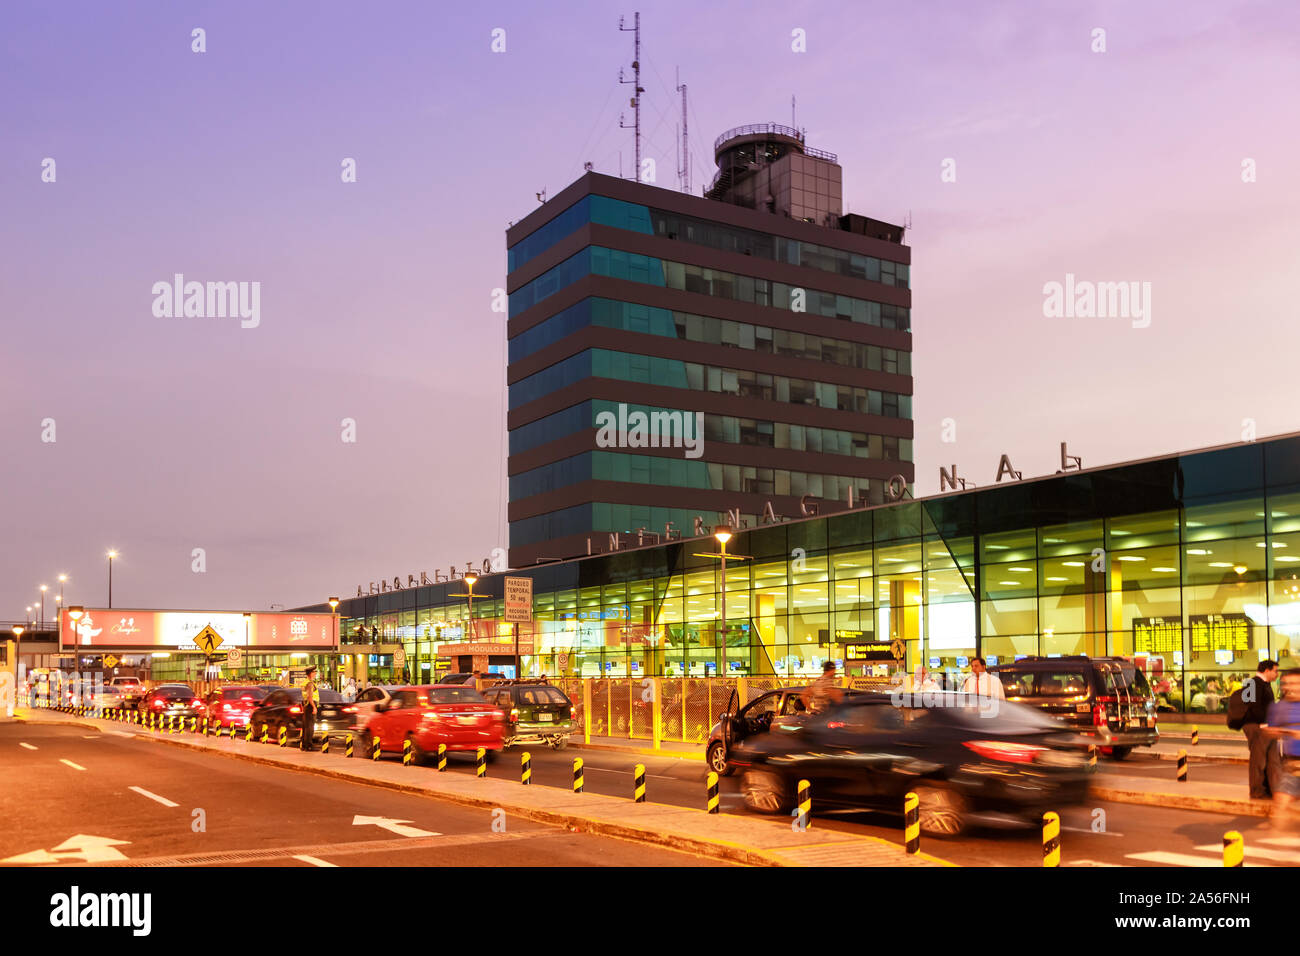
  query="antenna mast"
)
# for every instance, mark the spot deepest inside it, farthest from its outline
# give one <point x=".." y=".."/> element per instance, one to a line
<point x="684" y="173"/>
<point x="637" y="87"/>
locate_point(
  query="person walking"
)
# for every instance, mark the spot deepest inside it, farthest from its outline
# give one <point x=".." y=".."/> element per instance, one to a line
<point x="1256" y="695"/>
<point x="350" y="690"/>
<point x="1284" y="726"/>
<point x="824" y="691"/>
<point x="981" y="683"/>
<point x="310" y="704"/>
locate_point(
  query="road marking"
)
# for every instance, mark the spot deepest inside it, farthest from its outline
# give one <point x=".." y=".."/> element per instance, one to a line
<point x="119" y="733"/>
<point x="1262" y="853"/>
<point x="1089" y="863"/>
<point x="28" y="746"/>
<point x="82" y="847"/>
<point x="1182" y="859"/>
<point x="90" y="736"/>
<point x="387" y="823"/>
<point x="1089" y="830"/>
<point x="314" y="861"/>
<point x="1280" y="841"/>
<point x="153" y="796"/>
<point x="74" y="766"/>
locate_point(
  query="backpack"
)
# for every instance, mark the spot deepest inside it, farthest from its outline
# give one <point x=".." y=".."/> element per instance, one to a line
<point x="1236" y="710"/>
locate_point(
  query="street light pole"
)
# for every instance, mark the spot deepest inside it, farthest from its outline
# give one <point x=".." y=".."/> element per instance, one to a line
<point x="334" y="608"/>
<point x="111" y="556"/>
<point x="43" y="589"/>
<point x="723" y="534"/>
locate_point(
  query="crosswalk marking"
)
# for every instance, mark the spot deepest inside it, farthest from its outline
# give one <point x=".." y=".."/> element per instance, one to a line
<point x="1182" y="859"/>
<point x="1264" y="853"/>
<point x="1280" y="841"/>
<point x="314" y="861"/>
<point x="28" y="746"/>
<point x="74" y="766"/>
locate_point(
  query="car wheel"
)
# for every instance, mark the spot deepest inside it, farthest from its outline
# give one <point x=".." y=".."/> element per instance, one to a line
<point x="765" y="791"/>
<point x="942" y="811"/>
<point x="419" y="756"/>
<point x="1119" y="753"/>
<point x="371" y="740"/>
<point x="491" y="756"/>
<point x="716" y="758"/>
<point x="558" y="743"/>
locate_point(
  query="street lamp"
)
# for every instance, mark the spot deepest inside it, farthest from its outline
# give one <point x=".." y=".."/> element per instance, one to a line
<point x="468" y="594"/>
<point x="75" y="613"/>
<point x="334" y="608"/>
<point x="111" y="556"/>
<point x="63" y="579"/>
<point x="44" y="588"/>
<point x="723" y="534"/>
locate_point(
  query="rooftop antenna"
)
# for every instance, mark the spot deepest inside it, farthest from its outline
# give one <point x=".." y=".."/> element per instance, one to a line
<point x="637" y="88"/>
<point x="684" y="173"/>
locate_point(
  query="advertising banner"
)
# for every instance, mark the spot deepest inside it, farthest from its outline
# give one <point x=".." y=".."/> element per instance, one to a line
<point x="135" y="629"/>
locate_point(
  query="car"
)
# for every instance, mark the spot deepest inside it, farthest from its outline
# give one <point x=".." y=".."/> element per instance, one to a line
<point x="132" y="690"/>
<point x="283" y="708"/>
<point x="1105" y="698"/>
<point x="964" y="762"/>
<point x="455" y="678"/>
<point x="535" y="712"/>
<point x="110" y="697"/>
<point x="171" y="700"/>
<point x="369" y="699"/>
<point x="230" y="706"/>
<point x="457" y="717"/>
<point x="735" y="725"/>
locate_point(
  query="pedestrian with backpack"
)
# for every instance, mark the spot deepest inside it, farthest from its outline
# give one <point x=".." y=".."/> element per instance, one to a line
<point x="1248" y="712"/>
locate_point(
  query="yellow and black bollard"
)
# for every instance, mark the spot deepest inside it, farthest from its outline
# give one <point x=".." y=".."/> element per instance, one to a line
<point x="1051" y="839"/>
<point x="325" y="744"/>
<point x="406" y="752"/>
<point x="284" y="736"/>
<point x="712" y="792"/>
<point x="638" y="784"/>
<point x="171" y="724"/>
<point x="912" y="823"/>
<point x="248" y="732"/>
<point x="525" y="768"/>
<point x="347" y="745"/>
<point x="442" y="757"/>
<point x="1092" y="758"/>
<point x="577" y="775"/>
<point x="1182" y="766"/>
<point x="805" y="805"/>
<point x="207" y="728"/>
<point x="1196" y="735"/>
<point x="266" y="733"/>
<point x="374" y="748"/>
<point x="194" y="725"/>
<point x="480" y="766"/>
<point x="1234" y="849"/>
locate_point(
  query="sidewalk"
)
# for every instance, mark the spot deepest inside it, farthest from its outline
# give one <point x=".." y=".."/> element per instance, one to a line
<point x="1230" y="798"/>
<point x="1207" y="751"/>
<point x="667" y="748"/>
<point x="752" y="841"/>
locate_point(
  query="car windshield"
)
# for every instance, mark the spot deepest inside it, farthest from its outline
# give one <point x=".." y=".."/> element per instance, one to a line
<point x="238" y="693"/>
<point x="175" y="693"/>
<point x="328" y="696"/>
<point x="989" y="715"/>
<point x="541" y="695"/>
<point x="455" y="695"/>
<point x="1064" y="682"/>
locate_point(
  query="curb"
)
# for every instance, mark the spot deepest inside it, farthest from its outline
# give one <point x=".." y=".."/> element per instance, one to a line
<point x="1205" y="758"/>
<point x="1174" y="801"/>
<point x="717" y="849"/>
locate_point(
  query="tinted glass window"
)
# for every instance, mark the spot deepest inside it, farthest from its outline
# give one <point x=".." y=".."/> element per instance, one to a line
<point x="1066" y="682"/>
<point x="175" y="693"/>
<point x="865" y="718"/>
<point x="455" y="695"/>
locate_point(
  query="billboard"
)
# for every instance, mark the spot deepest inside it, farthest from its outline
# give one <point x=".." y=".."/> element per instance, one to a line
<point x="136" y="629"/>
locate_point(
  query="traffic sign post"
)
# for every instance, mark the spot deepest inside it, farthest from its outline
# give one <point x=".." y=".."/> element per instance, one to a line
<point x="518" y="609"/>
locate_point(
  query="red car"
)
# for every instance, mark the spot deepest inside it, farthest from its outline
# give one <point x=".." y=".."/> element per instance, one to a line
<point x="230" y="706"/>
<point x="429" y="715"/>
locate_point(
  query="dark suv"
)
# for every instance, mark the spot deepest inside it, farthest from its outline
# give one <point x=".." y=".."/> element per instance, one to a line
<point x="1107" y="698"/>
<point x="535" y="712"/>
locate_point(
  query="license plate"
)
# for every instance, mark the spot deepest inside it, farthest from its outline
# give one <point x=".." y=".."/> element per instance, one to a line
<point x="467" y="720"/>
<point x="546" y="717"/>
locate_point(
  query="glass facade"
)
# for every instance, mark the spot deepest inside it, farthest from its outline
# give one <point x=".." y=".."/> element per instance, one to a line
<point x="1187" y="564"/>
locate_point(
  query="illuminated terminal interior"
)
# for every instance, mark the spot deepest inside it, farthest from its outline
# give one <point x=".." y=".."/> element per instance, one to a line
<point x="1187" y="563"/>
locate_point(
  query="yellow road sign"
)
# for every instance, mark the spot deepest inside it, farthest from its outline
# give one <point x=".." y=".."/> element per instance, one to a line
<point x="110" y="661"/>
<point x="208" y="640"/>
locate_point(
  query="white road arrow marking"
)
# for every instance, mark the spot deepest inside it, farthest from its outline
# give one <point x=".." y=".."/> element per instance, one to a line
<point x="83" y="847"/>
<point x="153" y="796"/>
<point x="74" y="766"/>
<point x="384" y="823"/>
<point x="28" y="746"/>
<point x="314" y="861"/>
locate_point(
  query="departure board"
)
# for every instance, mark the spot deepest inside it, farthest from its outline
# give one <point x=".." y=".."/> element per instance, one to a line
<point x="1219" y="632"/>
<point x="1157" y="635"/>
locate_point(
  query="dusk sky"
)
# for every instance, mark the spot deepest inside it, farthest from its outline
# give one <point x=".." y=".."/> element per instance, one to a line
<point x="1171" y="158"/>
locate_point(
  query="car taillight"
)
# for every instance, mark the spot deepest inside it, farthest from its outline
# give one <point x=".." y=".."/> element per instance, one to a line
<point x="432" y="715"/>
<point x="1007" y="752"/>
<point x="159" y="704"/>
<point x="225" y="707"/>
<point x="349" y="710"/>
<point x="295" y="710"/>
<point x="514" y="715"/>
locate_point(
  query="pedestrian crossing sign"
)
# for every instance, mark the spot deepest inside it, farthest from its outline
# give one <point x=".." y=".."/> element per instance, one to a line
<point x="208" y="640"/>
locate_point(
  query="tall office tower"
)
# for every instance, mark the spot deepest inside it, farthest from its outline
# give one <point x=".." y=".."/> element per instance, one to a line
<point x="677" y="357"/>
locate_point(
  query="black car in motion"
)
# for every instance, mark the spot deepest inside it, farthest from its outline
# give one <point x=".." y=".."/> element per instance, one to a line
<point x="283" y="708"/>
<point x="962" y="760"/>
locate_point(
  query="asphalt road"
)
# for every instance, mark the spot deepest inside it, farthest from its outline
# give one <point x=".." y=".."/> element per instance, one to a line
<point x="145" y="801"/>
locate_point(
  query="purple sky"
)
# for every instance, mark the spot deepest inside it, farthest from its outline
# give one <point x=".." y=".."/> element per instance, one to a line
<point x="175" y="434"/>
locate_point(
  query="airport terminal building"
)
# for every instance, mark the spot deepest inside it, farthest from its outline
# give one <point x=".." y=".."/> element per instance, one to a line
<point x="1187" y="563"/>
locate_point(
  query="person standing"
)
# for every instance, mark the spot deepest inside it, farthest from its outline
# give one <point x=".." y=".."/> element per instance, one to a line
<point x="824" y="691"/>
<point x="350" y="690"/>
<point x="1284" y="725"/>
<point x="310" y="704"/>
<point x="981" y="683"/>
<point x="1257" y="695"/>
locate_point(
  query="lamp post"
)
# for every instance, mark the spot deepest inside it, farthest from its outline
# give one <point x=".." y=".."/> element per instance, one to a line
<point x="334" y="608"/>
<point x="111" y="556"/>
<point x="44" y="588"/>
<point x="469" y="598"/>
<point x="75" y="613"/>
<point x="722" y="534"/>
<point x="18" y="646"/>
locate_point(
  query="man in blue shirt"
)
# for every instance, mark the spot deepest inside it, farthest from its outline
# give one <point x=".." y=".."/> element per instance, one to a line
<point x="1284" y="725"/>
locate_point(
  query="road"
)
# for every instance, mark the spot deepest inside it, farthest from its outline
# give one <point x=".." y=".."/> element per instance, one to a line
<point x="143" y="801"/>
